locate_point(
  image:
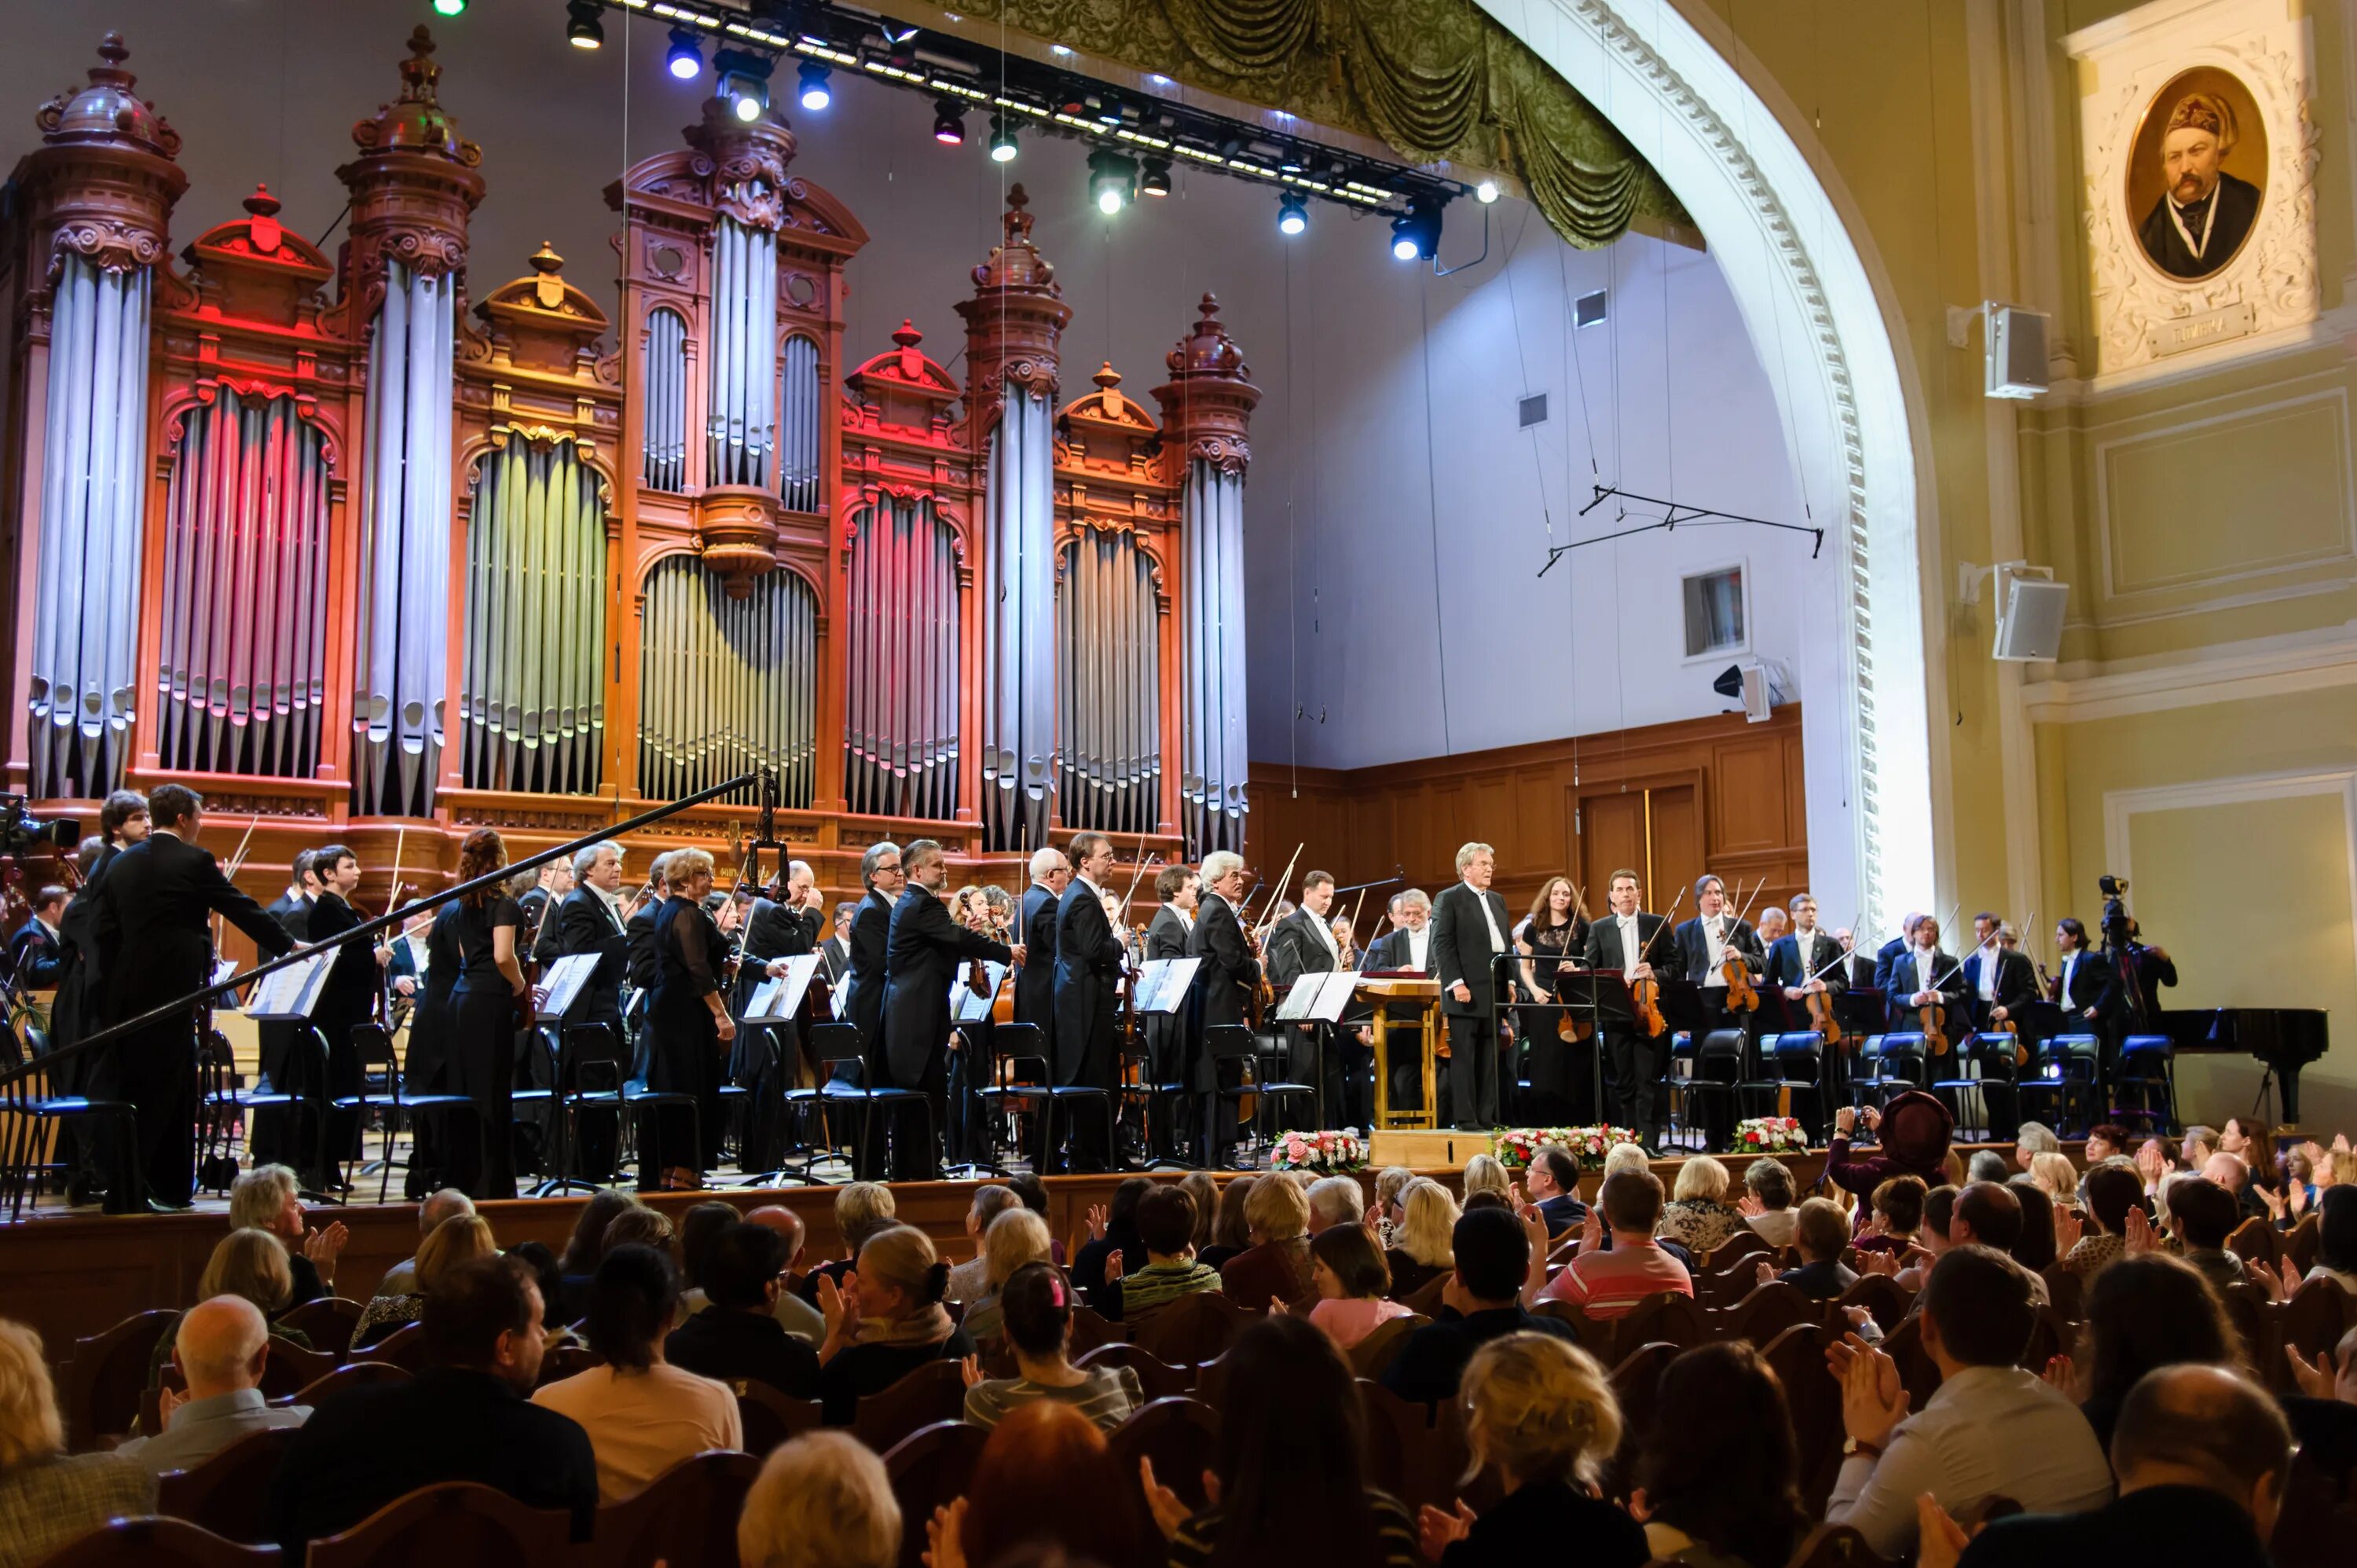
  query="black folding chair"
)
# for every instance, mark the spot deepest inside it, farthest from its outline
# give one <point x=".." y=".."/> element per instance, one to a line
<point x="35" y="1113"/>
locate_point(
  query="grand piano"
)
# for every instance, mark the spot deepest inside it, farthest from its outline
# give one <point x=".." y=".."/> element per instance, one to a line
<point x="2286" y="1038"/>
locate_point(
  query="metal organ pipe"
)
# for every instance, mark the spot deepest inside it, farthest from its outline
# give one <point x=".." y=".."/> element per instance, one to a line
<point x="901" y="710"/>
<point x="798" y="428"/>
<point x="666" y="383"/>
<point x="727" y="683"/>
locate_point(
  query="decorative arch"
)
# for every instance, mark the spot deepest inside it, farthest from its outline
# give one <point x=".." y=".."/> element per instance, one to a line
<point x="1815" y="298"/>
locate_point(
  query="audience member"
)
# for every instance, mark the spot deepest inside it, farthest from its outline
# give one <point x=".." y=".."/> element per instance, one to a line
<point x="1277" y="1266"/>
<point x="1720" y="1467"/>
<point x="1482" y="1302"/>
<point x="2203" y="1457"/>
<point x="249" y="1263"/>
<point x="585" y="1246"/>
<point x="863" y="1209"/>
<point x="2323" y="1414"/>
<point x="1607" y="1284"/>
<point x="2056" y="1177"/>
<point x="464" y="1418"/>
<point x="48" y="1496"/>
<point x="2229" y="1172"/>
<point x="886" y="1319"/>
<point x="2106" y="1141"/>
<point x="1539" y="1412"/>
<point x="2031" y="1140"/>
<point x="545" y="1274"/>
<point x="1487" y="1173"/>
<point x="1016" y="1237"/>
<point x="461" y="1239"/>
<point x="1336" y="1201"/>
<point x="821" y="1501"/>
<point x="2034" y="1248"/>
<point x="2336" y="1237"/>
<point x="1914" y="1129"/>
<point x="801" y="1317"/>
<point x="1353" y="1282"/>
<point x="1390" y="1182"/>
<point x="1552" y="1182"/>
<point x="1698" y="1216"/>
<point x="1767" y="1205"/>
<point x="640" y="1226"/>
<point x="1419" y="1251"/>
<point x="2202" y="1215"/>
<point x="1990" y="1213"/>
<point x="969" y="1282"/>
<point x="1230" y="1234"/>
<point x="2143" y="1311"/>
<point x="642" y="1415"/>
<point x="1288" y="1460"/>
<point x="1987" y="1165"/>
<point x="1200" y="1187"/>
<point x="1487" y="1197"/>
<point x="737" y="1335"/>
<point x="1037" y="1302"/>
<point x="1166" y="1232"/>
<point x="267" y="1199"/>
<point x="222" y="1346"/>
<point x="402" y="1278"/>
<point x="2111" y="1192"/>
<point x="698" y="1229"/>
<point x="1110" y="1229"/>
<point x="1898" y="1217"/>
<point x="1822" y="1233"/>
<point x="1045" y="1478"/>
<point x="2199" y="1143"/>
<point x="1989" y="1430"/>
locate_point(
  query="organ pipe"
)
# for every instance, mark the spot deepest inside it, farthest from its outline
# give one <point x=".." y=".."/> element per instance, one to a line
<point x="1018" y="759"/>
<point x="666" y="398"/>
<point x="742" y="427"/>
<point x="1108" y="685"/>
<point x="798" y="427"/>
<point x="900" y="731"/>
<point x="727" y="685"/>
<point x="1216" y="761"/>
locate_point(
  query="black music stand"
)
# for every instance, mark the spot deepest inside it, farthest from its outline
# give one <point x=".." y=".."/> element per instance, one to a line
<point x="1603" y="996"/>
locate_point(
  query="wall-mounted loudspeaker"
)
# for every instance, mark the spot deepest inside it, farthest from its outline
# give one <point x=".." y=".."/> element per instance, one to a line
<point x="2029" y="617"/>
<point x="2017" y="351"/>
<point x="1757" y="683"/>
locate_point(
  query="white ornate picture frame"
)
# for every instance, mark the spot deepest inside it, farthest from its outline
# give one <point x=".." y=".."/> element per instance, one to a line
<point x="2141" y="318"/>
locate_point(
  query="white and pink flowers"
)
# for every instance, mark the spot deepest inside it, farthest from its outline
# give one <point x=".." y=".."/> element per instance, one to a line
<point x="1328" y="1153"/>
<point x="1588" y="1145"/>
<point x="1771" y="1136"/>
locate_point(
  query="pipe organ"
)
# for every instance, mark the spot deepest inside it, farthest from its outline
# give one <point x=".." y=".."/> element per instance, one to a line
<point x="341" y="539"/>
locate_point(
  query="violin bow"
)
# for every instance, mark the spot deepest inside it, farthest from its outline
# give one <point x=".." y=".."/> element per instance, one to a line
<point x="1136" y="876"/>
<point x="1746" y="910"/>
<point x="1647" y="945"/>
<point x="236" y="862"/>
<point x="1955" y="965"/>
<point x="1276" y="893"/>
<point x="1839" y="957"/>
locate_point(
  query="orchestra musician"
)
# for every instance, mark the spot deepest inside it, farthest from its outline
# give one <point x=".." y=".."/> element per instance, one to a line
<point x="881" y="875"/>
<point x="1177" y="888"/>
<point x="155" y="944"/>
<point x="924" y="948"/>
<point x="2088" y="990"/>
<point x="769" y="1060"/>
<point x="80" y="997"/>
<point x="639" y="939"/>
<point x="594" y="919"/>
<point x="36" y="953"/>
<point x="1035" y="983"/>
<point x="1303" y="943"/>
<point x="836" y="948"/>
<point x="1925" y="975"/>
<point x="1772" y="926"/>
<point x="1860" y="964"/>
<point x="1562" y="1072"/>
<point x="1891" y="950"/>
<point x="690" y="1026"/>
<point x="973" y="1058"/>
<point x="426" y="1066"/>
<point x="1999" y="983"/>
<point x="1805" y="962"/>
<point x="276" y="1137"/>
<point x="1407" y="946"/>
<point x="346" y="1002"/>
<point x="1628" y="941"/>
<point x="1706" y="942"/>
<point x="1090" y="960"/>
<point x="486" y="929"/>
<point x="550" y="883"/>
<point x="1468" y="932"/>
<point x="1225" y="983"/>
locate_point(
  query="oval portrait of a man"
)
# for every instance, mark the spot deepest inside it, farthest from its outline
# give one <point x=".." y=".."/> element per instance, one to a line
<point x="2198" y="174"/>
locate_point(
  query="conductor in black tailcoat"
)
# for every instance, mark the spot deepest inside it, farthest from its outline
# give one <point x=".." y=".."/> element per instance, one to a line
<point x="1225" y="983"/>
<point x="153" y="927"/>
<point x="922" y="951"/>
<point x="863" y="1002"/>
<point x="1090" y="958"/>
<point x="1469" y="929"/>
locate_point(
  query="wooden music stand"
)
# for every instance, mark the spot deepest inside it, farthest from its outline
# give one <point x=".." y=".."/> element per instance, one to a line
<point x="1424" y="991"/>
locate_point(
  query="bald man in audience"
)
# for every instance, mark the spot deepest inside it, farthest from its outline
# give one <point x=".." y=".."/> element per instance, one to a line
<point x="803" y="1320"/>
<point x="402" y="1278"/>
<point x="221" y="1348"/>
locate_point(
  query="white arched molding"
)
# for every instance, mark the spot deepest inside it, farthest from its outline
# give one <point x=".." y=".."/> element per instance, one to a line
<point x="1796" y="259"/>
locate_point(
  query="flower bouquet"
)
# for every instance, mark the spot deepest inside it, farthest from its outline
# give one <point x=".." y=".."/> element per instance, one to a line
<point x="1588" y="1145"/>
<point x="1328" y="1154"/>
<point x="1771" y="1136"/>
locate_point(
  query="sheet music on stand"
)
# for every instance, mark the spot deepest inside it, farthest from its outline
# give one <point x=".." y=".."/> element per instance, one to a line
<point x="560" y="987"/>
<point x="1163" y="983"/>
<point x="287" y="995"/>
<point x="779" y="999"/>
<point x="968" y="1006"/>
<point x="1319" y="998"/>
<point x="226" y="1001"/>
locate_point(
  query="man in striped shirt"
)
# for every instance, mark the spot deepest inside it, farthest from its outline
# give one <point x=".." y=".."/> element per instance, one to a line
<point x="1607" y="1284"/>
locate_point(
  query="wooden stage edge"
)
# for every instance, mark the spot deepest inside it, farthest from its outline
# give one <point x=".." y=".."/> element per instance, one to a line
<point x="74" y="1275"/>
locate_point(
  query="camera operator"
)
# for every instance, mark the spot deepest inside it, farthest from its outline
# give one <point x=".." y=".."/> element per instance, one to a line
<point x="2142" y="970"/>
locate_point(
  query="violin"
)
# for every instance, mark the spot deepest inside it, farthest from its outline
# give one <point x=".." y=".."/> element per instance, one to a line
<point x="1646" y="994"/>
<point x="1822" y="1019"/>
<point x="1741" y="995"/>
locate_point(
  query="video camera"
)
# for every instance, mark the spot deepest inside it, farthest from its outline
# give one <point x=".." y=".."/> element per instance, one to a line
<point x="2116" y="911"/>
<point x="21" y="833"/>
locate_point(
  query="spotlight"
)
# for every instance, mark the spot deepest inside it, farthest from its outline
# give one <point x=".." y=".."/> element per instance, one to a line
<point x="1156" y="181"/>
<point x="1415" y="233"/>
<point x="1292" y="216"/>
<point x="583" y="30"/>
<point x="1058" y="50"/>
<point x="1002" y="140"/>
<point x="814" y="92"/>
<point x="1112" y="180"/>
<point x="744" y="82"/>
<point x="449" y="7"/>
<point x="1486" y="192"/>
<point x="1109" y="111"/>
<point x="685" y="56"/>
<point x="949" y="123"/>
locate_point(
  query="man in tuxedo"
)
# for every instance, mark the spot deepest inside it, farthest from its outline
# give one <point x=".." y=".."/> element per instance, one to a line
<point x="1225" y="983"/>
<point x="36" y="953"/>
<point x="1859" y="965"/>
<point x="2089" y="990"/>
<point x="277" y="1138"/>
<point x="1807" y="961"/>
<point x="924" y="948"/>
<point x="538" y="901"/>
<point x="1628" y="939"/>
<point x="154" y="937"/>
<point x="1301" y="944"/>
<point x="1178" y="888"/>
<point x="1891" y="950"/>
<point x="767" y="1058"/>
<point x="594" y="919"/>
<point x="1704" y="944"/>
<point x="79" y="1004"/>
<point x="1468" y="931"/>
<point x="1999" y="984"/>
<point x="1090" y="958"/>
<point x="863" y="988"/>
<point x="1922" y="976"/>
<point x="645" y="963"/>
<point x="836" y="948"/>
<point x="1035" y="982"/>
<point x="292" y="908"/>
<point x="346" y="1002"/>
<point x="1408" y="946"/>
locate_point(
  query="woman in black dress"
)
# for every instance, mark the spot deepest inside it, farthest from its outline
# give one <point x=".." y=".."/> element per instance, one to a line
<point x="427" y="1068"/>
<point x="688" y="1020"/>
<point x="1561" y="1072"/>
<point x="482" y="1021"/>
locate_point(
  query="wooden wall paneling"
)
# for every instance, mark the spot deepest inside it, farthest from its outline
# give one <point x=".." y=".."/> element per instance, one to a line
<point x="1680" y="849"/>
<point x="1748" y="802"/>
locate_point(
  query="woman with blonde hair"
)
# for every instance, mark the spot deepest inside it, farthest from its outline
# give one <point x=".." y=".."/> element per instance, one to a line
<point x="688" y="1019"/>
<point x="1485" y="1173"/>
<point x="247" y="1263"/>
<point x="885" y="1320"/>
<point x="1015" y="1237"/>
<point x="49" y="1497"/>
<point x="1275" y="1267"/>
<point x="1540" y="1412"/>
<point x="1698" y="1218"/>
<point x="1422" y="1248"/>
<point x="2056" y="1177"/>
<point x="460" y="1238"/>
<point x="1229" y="1235"/>
<point x="821" y="1501"/>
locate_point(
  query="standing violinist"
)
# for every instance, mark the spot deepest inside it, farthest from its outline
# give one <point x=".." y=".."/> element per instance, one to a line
<point x="1300" y="944"/>
<point x="973" y="1062"/>
<point x="1035" y="982"/>
<point x="1999" y="982"/>
<point x="863" y="996"/>
<point x="1178" y="888"/>
<point x="1707" y="944"/>
<point x="1225" y="984"/>
<point x="1924" y="976"/>
<point x="1562" y="1071"/>
<point x="346" y="1002"/>
<point x="1809" y="962"/>
<point x="1628" y="941"/>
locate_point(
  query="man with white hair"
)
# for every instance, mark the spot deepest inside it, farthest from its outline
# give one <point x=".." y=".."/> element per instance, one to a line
<point x="1035" y="982"/>
<point x="1408" y="946"/>
<point x="1468" y="931"/>
<point x="768" y="1060"/>
<point x="402" y="1278"/>
<point x="1336" y="1201"/>
<point x="266" y="1199"/>
<point x="220" y="1347"/>
<point x="594" y="918"/>
<point x="803" y="1320"/>
<point x="1226" y="978"/>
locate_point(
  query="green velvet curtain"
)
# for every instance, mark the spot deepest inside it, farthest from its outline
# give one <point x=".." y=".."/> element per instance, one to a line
<point x="1432" y="78"/>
